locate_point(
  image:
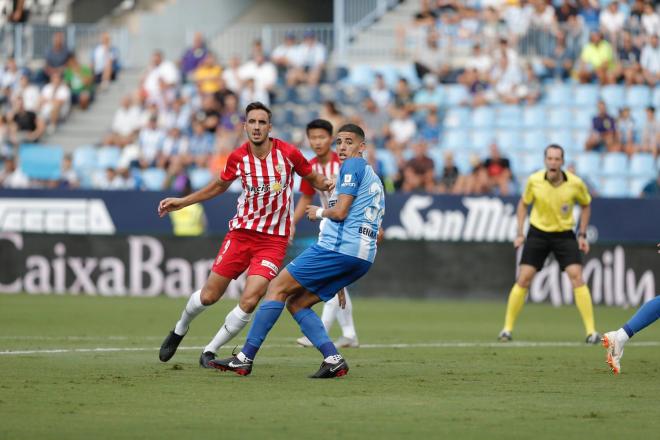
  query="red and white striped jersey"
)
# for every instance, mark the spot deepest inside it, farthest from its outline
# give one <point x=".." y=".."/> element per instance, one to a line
<point x="329" y="170"/>
<point x="265" y="204"/>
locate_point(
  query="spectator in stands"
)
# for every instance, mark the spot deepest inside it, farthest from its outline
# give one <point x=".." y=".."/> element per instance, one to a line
<point x="379" y="92"/>
<point x="650" y="20"/>
<point x="652" y="189"/>
<point x="403" y="94"/>
<point x="231" y="76"/>
<point x="9" y="79"/>
<point x="498" y="169"/>
<point x="596" y="60"/>
<point x="126" y="121"/>
<point x="207" y="76"/>
<point x="626" y="130"/>
<point x="542" y="24"/>
<point x="566" y="11"/>
<point x="200" y="145"/>
<point x="650" y="61"/>
<point x="284" y="55"/>
<point x="309" y="61"/>
<point x="194" y="56"/>
<point x="589" y="11"/>
<point x="11" y="175"/>
<point x="560" y="64"/>
<point x="174" y="145"/>
<point x="331" y="113"/>
<point x="6" y="147"/>
<point x="56" y="56"/>
<point x="479" y="61"/>
<point x="177" y="178"/>
<point x="29" y="93"/>
<point x="603" y="131"/>
<point x="150" y="142"/>
<point x="24" y="125"/>
<point x="104" y="180"/>
<point x="430" y="58"/>
<point x="160" y="80"/>
<point x="252" y="93"/>
<point x="402" y="129"/>
<point x="530" y="89"/>
<point x="262" y="71"/>
<point x="209" y="113"/>
<point x="374" y="121"/>
<point x="507" y="79"/>
<point x="69" y="178"/>
<point x="105" y="61"/>
<point x="451" y="182"/>
<point x="418" y="172"/>
<point x="80" y="80"/>
<point x="55" y="101"/>
<point x="123" y="180"/>
<point x="612" y="20"/>
<point x="651" y="133"/>
<point x="430" y="128"/>
<point x="177" y="115"/>
<point x="628" y="66"/>
<point x="428" y="98"/>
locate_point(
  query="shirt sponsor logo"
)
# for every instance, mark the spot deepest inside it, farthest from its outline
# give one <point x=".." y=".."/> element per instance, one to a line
<point x="276" y="186"/>
<point x="363" y="230"/>
<point x="348" y="181"/>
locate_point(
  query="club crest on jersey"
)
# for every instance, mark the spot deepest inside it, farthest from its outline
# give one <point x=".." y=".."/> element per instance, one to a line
<point x="565" y="210"/>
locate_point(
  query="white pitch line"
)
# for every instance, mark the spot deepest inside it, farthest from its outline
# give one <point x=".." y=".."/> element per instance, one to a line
<point x="391" y="346"/>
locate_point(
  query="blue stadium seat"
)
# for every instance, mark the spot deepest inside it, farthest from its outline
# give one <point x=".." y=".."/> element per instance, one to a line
<point x="638" y="97"/>
<point x="509" y="140"/>
<point x="639" y="117"/>
<point x="583" y="117"/>
<point x="456" y="94"/>
<point x="563" y="137"/>
<point x="437" y="154"/>
<point x="586" y="95"/>
<point x="84" y="158"/>
<point x="153" y="179"/>
<point x="637" y="184"/>
<point x="457" y="117"/>
<point x="559" y="94"/>
<point x="390" y="74"/>
<point x="615" y="164"/>
<point x="588" y="163"/>
<point x="656" y="97"/>
<point x="329" y="93"/>
<point x="361" y="74"/>
<point x="508" y="116"/>
<point x="388" y="161"/>
<point x="530" y="163"/>
<point x="108" y="157"/>
<point x="483" y="117"/>
<point x="409" y="72"/>
<point x="580" y="139"/>
<point x="534" y="116"/>
<point x="643" y="165"/>
<point x="462" y="161"/>
<point x="615" y="187"/>
<point x="199" y="178"/>
<point x="42" y="162"/>
<point x="455" y="139"/>
<point x="614" y="96"/>
<point x="535" y="140"/>
<point x="559" y="117"/>
<point x="481" y="139"/>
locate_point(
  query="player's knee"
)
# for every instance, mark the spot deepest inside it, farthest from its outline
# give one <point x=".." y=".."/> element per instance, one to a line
<point x="249" y="303"/>
<point x="524" y="281"/>
<point x="293" y="306"/>
<point x="208" y="297"/>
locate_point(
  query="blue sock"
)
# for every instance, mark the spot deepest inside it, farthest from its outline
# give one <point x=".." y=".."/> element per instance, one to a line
<point x="312" y="327"/>
<point x="268" y="313"/>
<point x="644" y="317"/>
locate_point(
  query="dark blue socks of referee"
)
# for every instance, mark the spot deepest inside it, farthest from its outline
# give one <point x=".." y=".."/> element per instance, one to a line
<point x="266" y="316"/>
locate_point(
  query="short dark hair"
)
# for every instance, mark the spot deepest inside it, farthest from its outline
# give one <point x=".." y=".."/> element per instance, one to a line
<point x="320" y="123"/>
<point x="352" y="128"/>
<point x="553" y="146"/>
<point x="650" y="108"/>
<point x="258" y="106"/>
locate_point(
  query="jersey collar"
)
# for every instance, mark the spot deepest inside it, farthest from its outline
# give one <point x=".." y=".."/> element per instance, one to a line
<point x="564" y="175"/>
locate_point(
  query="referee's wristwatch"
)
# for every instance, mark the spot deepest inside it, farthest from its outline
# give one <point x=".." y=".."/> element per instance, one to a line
<point x="582" y="235"/>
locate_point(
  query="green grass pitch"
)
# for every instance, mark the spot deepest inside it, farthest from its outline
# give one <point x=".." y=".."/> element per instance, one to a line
<point x="412" y="378"/>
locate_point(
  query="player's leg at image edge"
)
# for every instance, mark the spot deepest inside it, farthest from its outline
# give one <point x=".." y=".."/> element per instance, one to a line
<point x="615" y="340"/>
<point x="332" y="311"/>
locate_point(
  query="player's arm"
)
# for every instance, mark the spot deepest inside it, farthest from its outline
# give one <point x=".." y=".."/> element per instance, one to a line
<point x="319" y="181"/>
<point x="211" y="190"/>
<point x="338" y="213"/>
<point x="521" y="215"/>
<point x="585" y="215"/>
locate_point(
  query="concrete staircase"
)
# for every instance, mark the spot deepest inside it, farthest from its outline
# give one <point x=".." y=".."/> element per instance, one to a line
<point x="88" y="127"/>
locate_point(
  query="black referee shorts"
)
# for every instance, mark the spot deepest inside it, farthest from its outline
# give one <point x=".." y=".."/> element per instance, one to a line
<point x="539" y="244"/>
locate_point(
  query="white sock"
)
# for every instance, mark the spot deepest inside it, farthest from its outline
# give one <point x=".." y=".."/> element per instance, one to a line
<point x="241" y="357"/>
<point x="622" y="336"/>
<point x="193" y="308"/>
<point x="330" y="310"/>
<point x="345" y="319"/>
<point x="234" y="323"/>
<point x="335" y="358"/>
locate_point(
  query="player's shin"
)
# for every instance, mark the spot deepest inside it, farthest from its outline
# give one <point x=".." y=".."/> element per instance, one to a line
<point x="345" y="318"/>
<point x="312" y="327"/>
<point x="235" y="321"/>
<point x="514" y="306"/>
<point x="266" y="316"/>
<point x="329" y="314"/>
<point x="645" y="316"/>
<point x="193" y="308"/>
<point x="585" y="307"/>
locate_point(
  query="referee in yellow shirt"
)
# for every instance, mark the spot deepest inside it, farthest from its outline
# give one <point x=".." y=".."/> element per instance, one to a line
<point x="552" y="193"/>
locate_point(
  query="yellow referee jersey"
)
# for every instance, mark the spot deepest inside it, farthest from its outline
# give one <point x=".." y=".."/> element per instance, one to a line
<point x="552" y="206"/>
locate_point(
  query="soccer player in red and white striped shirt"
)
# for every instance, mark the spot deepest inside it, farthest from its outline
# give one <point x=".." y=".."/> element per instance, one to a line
<point x="258" y="233"/>
<point x="326" y="162"/>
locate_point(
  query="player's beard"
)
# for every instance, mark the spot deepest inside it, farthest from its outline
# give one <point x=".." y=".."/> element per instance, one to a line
<point x="258" y="143"/>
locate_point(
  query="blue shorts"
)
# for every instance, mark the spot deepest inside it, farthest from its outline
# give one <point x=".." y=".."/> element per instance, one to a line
<point x="324" y="272"/>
